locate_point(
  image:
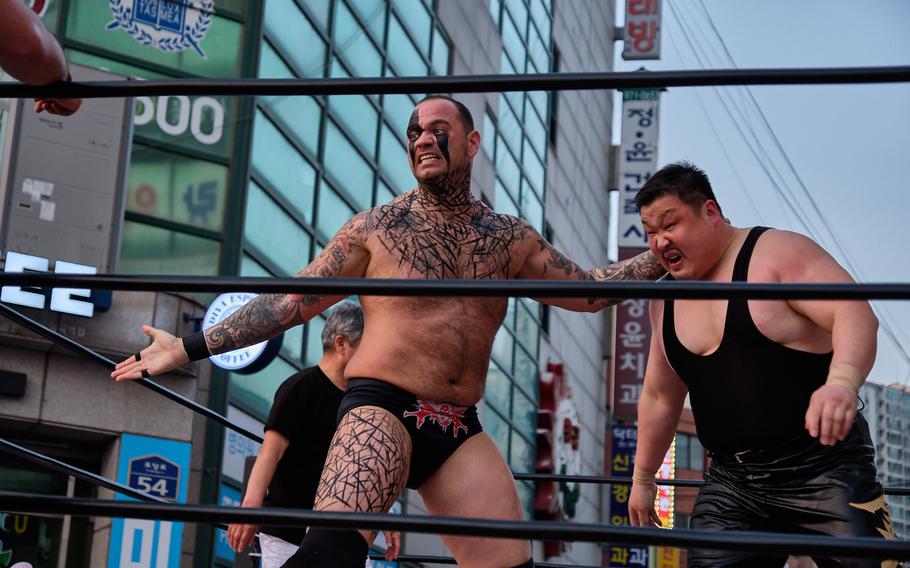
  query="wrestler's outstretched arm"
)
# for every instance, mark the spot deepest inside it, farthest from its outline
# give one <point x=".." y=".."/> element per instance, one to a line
<point x="543" y="261"/>
<point x="273" y="447"/>
<point x="853" y="328"/>
<point x="659" y="407"/>
<point x="265" y="316"/>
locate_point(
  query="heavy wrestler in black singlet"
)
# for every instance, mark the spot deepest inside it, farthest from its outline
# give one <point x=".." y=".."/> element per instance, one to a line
<point x="749" y="399"/>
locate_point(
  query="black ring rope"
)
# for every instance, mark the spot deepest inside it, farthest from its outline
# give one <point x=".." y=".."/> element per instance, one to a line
<point x="449" y="560"/>
<point x="461" y="84"/>
<point x="68" y="469"/>
<point x="152" y="385"/>
<point x="486" y="288"/>
<point x="614" y="480"/>
<point x="221" y="419"/>
<point x="812" y="545"/>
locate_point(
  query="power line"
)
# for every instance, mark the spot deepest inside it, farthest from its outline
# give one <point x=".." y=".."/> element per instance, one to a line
<point x="883" y="313"/>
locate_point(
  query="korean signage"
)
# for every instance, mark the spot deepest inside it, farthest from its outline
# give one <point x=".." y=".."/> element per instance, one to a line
<point x="161" y="469"/>
<point x="633" y="336"/>
<point x="637" y="159"/>
<point x="238" y="447"/>
<point x="227" y="497"/>
<point x="622" y="459"/>
<point x="641" y="39"/>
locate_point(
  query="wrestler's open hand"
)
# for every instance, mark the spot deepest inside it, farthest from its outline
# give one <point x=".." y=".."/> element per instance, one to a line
<point x="62" y="107"/>
<point x="164" y="354"/>
<point x="832" y="409"/>
<point x="241" y="536"/>
<point x="641" y="506"/>
<point x="392" y="545"/>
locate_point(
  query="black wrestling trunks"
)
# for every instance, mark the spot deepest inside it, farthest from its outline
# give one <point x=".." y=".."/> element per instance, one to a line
<point x="437" y="429"/>
<point x="799" y="486"/>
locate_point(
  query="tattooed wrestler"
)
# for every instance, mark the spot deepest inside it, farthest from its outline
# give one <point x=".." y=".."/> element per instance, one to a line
<point x="408" y="418"/>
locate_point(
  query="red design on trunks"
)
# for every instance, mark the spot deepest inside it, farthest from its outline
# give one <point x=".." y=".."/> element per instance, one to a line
<point x="441" y="413"/>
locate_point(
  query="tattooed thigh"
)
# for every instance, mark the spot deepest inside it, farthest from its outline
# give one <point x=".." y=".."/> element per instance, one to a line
<point x="367" y="464"/>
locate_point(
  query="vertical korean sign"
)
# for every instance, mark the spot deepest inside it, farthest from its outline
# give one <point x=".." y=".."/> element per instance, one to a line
<point x="641" y="39"/>
<point x="637" y="160"/>
<point x="622" y="457"/>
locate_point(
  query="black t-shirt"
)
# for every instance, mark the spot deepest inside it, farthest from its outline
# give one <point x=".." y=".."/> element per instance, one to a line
<point x="304" y="412"/>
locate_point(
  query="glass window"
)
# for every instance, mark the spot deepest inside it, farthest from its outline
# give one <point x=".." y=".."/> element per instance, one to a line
<point x="522" y="456"/>
<point x="373" y="15"/>
<point x="498" y="388"/>
<point x="504" y="202"/>
<point x="502" y="348"/>
<point x="402" y="53"/>
<point x="536" y="131"/>
<point x="509" y="127"/>
<point x="496" y="11"/>
<point x="105" y="64"/>
<point x="276" y="161"/>
<point x="221" y="39"/>
<point x="393" y="161"/>
<point x="418" y="20"/>
<point x="274" y="234"/>
<point x="696" y="454"/>
<point x="508" y="171"/>
<point x="440" y="53"/>
<point x="488" y="137"/>
<point x="383" y="194"/>
<point x="333" y="212"/>
<point x="151" y="250"/>
<point x="524" y="413"/>
<point x="314" y="340"/>
<point x="256" y="391"/>
<point x="292" y="34"/>
<point x="356" y="48"/>
<point x="534" y="168"/>
<point x="538" y="52"/>
<point x="540" y="12"/>
<point x="531" y="206"/>
<point x="398" y="110"/>
<point x="359" y="117"/>
<point x="514" y="45"/>
<point x="249" y="267"/>
<point x="347" y="166"/>
<point x="525" y="371"/>
<point x="497" y="429"/>
<point x="292" y="345"/>
<point x="300" y="115"/>
<point x="174" y="187"/>
<point x="527" y="330"/>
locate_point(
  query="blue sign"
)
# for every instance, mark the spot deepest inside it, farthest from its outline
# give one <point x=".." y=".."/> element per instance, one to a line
<point x="622" y="460"/>
<point x="160" y="468"/>
<point x="227" y="497"/>
<point x="154" y="475"/>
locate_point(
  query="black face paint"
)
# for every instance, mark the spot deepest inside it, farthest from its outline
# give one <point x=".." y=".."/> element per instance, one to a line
<point x="442" y="140"/>
<point x="413" y="127"/>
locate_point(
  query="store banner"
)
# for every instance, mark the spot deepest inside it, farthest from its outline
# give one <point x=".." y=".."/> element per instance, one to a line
<point x="622" y="459"/>
<point x="641" y="39"/>
<point x="160" y="468"/>
<point x="637" y="159"/>
<point x="633" y="339"/>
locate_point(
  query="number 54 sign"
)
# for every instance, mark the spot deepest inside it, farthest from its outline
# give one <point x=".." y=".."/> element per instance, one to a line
<point x="159" y="468"/>
<point x="155" y="476"/>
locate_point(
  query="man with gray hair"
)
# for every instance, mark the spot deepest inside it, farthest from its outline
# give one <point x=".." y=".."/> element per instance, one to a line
<point x="298" y="432"/>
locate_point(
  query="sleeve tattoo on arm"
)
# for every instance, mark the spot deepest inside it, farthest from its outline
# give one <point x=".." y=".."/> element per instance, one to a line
<point x="641" y="267"/>
<point x="269" y="314"/>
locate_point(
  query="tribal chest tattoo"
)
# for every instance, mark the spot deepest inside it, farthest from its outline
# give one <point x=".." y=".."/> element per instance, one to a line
<point x="476" y="243"/>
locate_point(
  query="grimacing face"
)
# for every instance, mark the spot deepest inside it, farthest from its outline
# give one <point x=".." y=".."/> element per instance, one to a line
<point x="682" y="237"/>
<point x="437" y="141"/>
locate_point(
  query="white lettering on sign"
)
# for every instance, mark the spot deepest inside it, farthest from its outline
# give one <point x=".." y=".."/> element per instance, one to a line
<point x="61" y="298"/>
<point x="637" y="160"/>
<point x="189" y="116"/>
<point x="138" y="537"/>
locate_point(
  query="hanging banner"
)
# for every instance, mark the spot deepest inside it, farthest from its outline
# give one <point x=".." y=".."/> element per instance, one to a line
<point x="622" y="459"/>
<point x="637" y="159"/>
<point x="641" y="39"/>
<point x="633" y="337"/>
